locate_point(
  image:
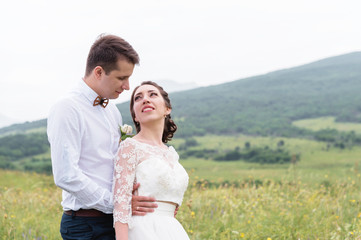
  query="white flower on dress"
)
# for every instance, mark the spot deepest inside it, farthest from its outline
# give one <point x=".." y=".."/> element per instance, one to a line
<point x="125" y="132"/>
<point x="126" y="129"/>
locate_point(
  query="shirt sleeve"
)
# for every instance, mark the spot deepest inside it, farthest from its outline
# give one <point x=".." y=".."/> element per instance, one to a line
<point x="65" y="136"/>
<point x="124" y="177"/>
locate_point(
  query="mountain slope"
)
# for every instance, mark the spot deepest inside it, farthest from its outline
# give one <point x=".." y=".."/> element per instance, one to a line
<point x="265" y="104"/>
<point x="6" y="121"/>
<point x="268" y="104"/>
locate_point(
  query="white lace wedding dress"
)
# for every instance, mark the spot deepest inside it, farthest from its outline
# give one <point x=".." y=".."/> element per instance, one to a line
<point x="161" y="176"/>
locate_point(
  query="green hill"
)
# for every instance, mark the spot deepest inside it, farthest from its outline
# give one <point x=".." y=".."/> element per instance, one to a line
<point x="267" y="104"/>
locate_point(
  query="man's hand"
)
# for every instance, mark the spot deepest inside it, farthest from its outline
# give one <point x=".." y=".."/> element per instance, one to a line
<point x="142" y="205"/>
<point x="176" y="211"/>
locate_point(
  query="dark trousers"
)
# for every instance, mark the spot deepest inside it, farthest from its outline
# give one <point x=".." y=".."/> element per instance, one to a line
<point x="81" y="228"/>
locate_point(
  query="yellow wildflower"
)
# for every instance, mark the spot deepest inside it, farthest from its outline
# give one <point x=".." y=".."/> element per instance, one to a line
<point x="242" y="235"/>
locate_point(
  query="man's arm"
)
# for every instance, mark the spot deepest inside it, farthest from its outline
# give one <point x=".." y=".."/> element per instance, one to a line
<point x="64" y="134"/>
<point x="142" y="205"/>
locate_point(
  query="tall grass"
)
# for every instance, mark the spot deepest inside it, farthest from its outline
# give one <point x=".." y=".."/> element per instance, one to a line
<point x="29" y="206"/>
<point x="273" y="210"/>
<point x="255" y="209"/>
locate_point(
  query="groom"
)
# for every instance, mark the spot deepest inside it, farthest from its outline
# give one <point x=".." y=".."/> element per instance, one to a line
<point x="83" y="131"/>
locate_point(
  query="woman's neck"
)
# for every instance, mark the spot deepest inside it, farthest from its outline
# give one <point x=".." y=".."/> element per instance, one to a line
<point x="151" y="136"/>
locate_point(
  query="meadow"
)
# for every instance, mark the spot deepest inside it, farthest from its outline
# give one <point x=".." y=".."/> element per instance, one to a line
<point x="327" y="122"/>
<point x="315" y="198"/>
<point x="30" y="209"/>
<point x="317" y="162"/>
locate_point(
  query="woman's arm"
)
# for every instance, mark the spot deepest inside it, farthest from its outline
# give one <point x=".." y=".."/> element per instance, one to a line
<point x="124" y="175"/>
<point x="121" y="231"/>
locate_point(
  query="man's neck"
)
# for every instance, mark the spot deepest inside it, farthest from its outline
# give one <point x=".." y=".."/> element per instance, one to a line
<point x="91" y="82"/>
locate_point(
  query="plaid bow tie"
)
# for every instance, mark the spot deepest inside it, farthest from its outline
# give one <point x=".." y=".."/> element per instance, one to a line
<point x="101" y="101"/>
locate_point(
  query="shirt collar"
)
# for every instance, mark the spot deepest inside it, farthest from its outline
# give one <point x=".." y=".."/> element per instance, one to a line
<point x="89" y="93"/>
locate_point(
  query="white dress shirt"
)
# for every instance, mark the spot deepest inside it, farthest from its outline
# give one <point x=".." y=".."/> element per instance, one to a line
<point x="84" y="140"/>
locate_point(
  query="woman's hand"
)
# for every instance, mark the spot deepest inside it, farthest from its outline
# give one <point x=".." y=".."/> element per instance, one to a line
<point x="176" y="211"/>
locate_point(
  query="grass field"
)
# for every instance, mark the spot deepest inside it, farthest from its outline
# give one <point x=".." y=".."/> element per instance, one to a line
<point x="30" y="209"/>
<point x="317" y="164"/>
<point x="316" y="198"/>
<point x="29" y="206"/>
<point x="327" y="122"/>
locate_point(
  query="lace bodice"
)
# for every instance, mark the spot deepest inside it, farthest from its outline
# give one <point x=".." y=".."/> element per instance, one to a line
<point x="156" y="169"/>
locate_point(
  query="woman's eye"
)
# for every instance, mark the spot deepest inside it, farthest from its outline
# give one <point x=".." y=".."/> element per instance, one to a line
<point x="153" y="94"/>
<point x="136" y="98"/>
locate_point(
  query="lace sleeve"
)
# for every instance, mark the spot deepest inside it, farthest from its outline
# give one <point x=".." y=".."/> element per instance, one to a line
<point x="124" y="175"/>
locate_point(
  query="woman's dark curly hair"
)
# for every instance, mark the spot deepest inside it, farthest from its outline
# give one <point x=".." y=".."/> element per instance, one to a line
<point x="169" y="126"/>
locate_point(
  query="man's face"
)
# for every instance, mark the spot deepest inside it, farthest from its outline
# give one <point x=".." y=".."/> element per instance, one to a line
<point x="113" y="84"/>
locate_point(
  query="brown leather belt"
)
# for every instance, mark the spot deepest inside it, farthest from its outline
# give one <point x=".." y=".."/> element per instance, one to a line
<point x="86" y="213"/>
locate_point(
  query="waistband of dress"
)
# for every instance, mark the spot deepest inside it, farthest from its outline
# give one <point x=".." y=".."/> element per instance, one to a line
<point x="164" y="209"/>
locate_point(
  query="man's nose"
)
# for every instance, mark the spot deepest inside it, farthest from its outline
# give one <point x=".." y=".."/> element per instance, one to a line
<point x="126" y="85"/>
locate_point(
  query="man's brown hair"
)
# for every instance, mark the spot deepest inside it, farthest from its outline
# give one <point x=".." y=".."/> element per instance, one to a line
<point x="107" y="50"/>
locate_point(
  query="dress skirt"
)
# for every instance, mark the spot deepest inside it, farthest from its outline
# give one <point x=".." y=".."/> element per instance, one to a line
<point x="158" y="225"/>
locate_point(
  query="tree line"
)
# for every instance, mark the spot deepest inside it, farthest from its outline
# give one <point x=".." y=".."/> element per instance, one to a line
<point x="14" y="148"/>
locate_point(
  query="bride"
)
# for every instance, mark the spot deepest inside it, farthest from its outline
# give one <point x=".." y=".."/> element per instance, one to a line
<point x="145" y="159"/>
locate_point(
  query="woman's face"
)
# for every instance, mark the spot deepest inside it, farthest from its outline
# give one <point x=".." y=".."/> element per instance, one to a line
<point x="149" y="105"/>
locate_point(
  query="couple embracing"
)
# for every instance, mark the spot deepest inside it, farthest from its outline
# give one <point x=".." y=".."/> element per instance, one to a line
<point x="130" y="190"/>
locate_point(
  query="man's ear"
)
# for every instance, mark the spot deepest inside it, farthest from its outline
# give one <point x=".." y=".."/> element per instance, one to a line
<point x="98" y="71"/>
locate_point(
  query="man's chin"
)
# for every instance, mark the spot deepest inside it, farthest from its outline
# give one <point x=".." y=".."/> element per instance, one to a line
<point x="114" y="96"/>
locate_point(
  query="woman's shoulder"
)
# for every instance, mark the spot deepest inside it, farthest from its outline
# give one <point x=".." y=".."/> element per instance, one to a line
<point x="139" y="145"/>
<point x="128" y="142"/>
<point x="173" y="152"/>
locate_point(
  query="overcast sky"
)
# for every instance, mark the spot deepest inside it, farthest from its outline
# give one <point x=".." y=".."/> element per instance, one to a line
<point x="44" y="43"/>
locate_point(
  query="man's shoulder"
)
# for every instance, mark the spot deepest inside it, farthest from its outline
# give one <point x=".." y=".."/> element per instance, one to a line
<point x="67" y="101"/>
<point x="66" y="106"/>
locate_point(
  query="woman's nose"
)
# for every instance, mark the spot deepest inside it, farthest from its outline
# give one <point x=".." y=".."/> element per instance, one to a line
<point x="145" y="100"/>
